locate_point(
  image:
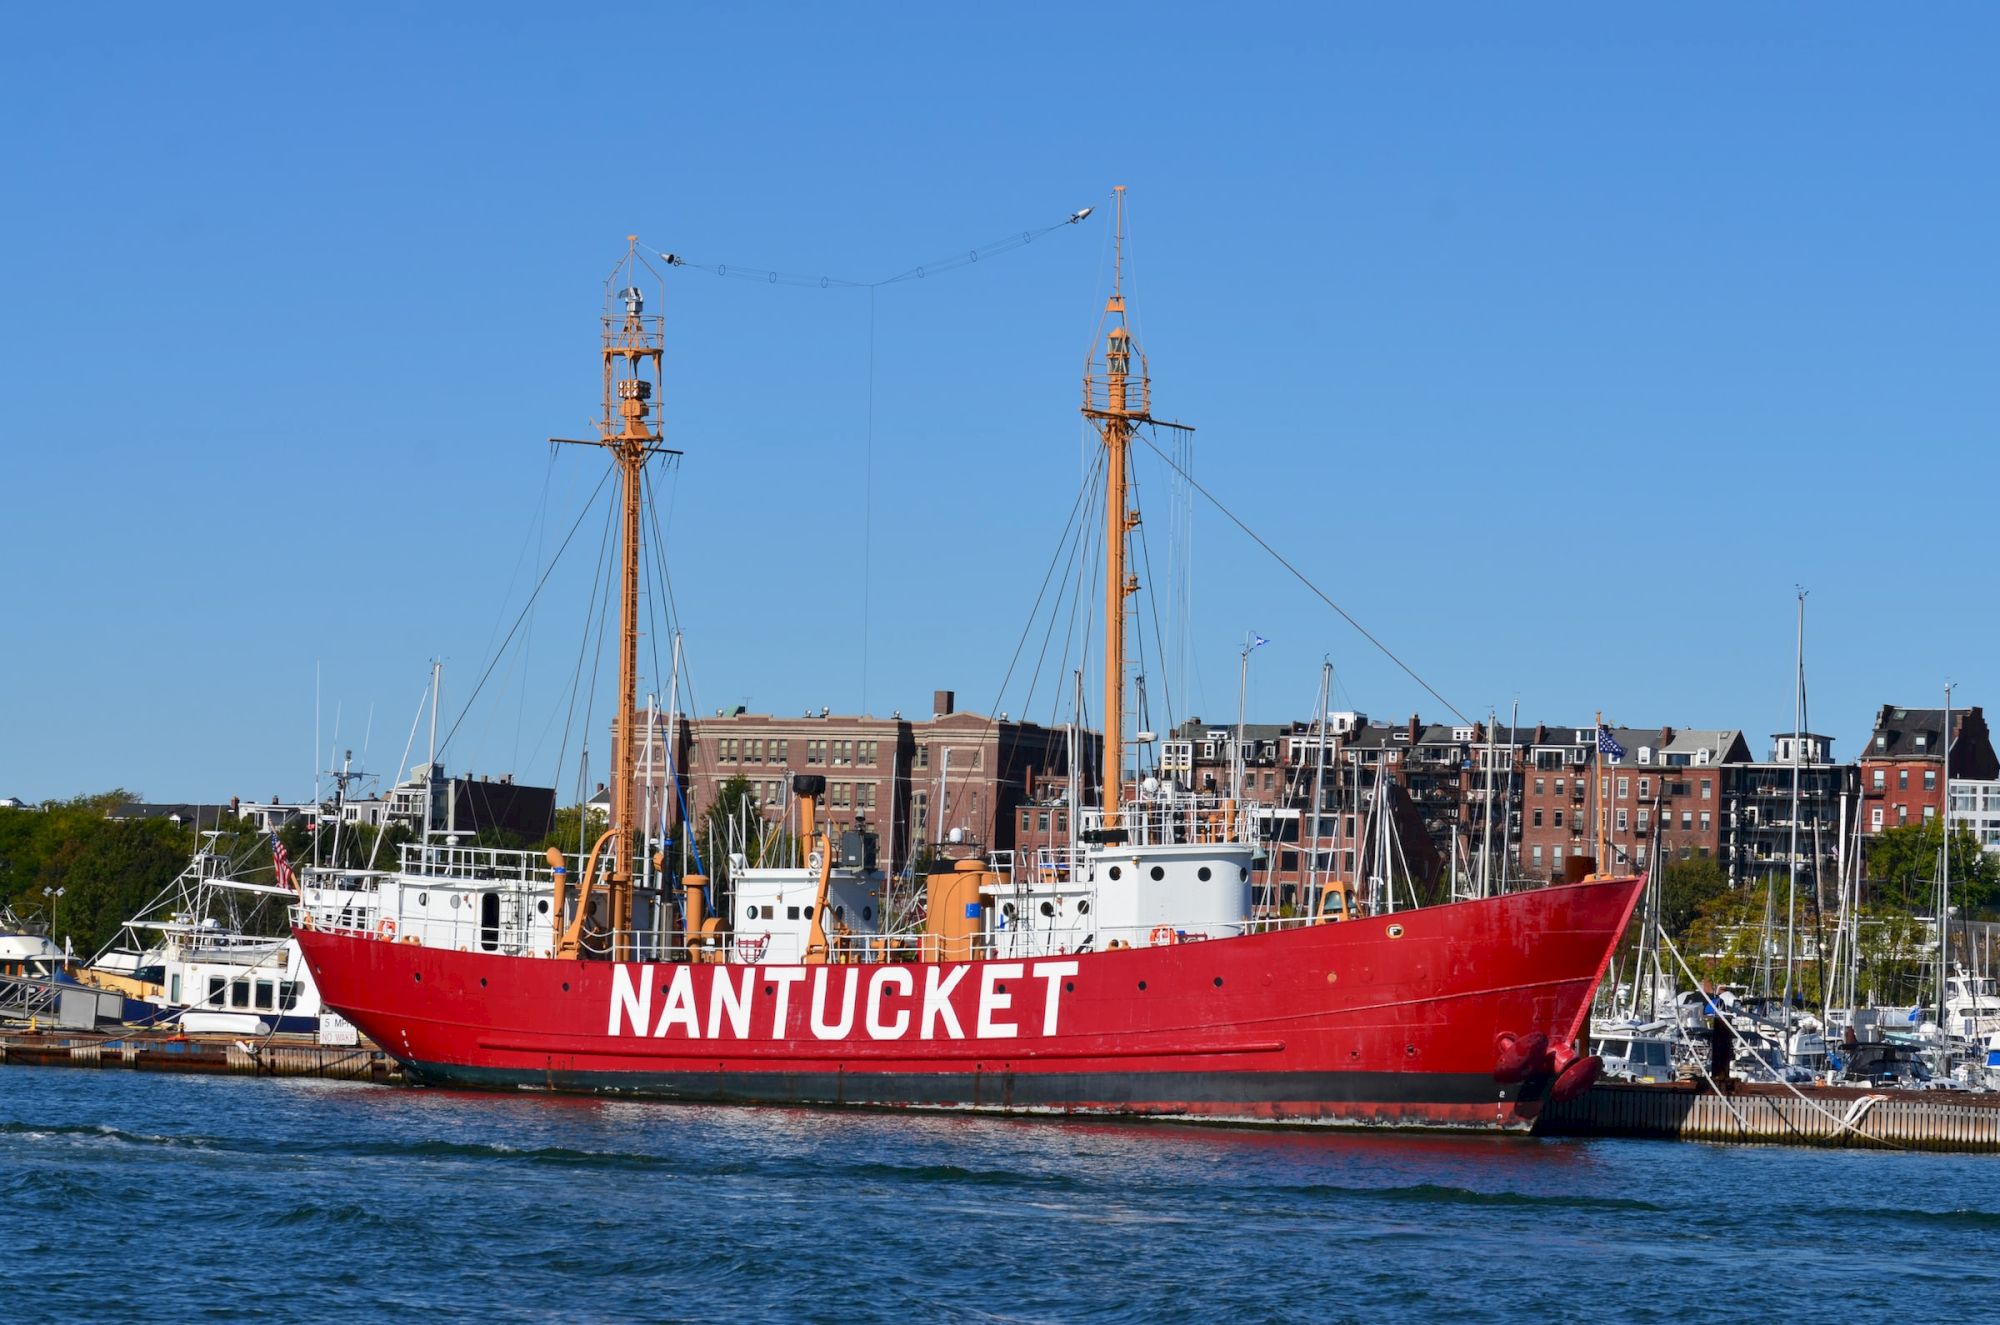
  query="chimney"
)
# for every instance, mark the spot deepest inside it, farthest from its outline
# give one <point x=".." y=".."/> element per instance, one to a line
<point x="1541" y="733"/>
<point x="235" y="806"/>
<point x="943" y="702"/>
<point x="1666" y="737"/>
<point x="1416" y="729"/>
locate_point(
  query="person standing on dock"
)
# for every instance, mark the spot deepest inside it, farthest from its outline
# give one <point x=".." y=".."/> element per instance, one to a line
<point x="1721" y="1050"/>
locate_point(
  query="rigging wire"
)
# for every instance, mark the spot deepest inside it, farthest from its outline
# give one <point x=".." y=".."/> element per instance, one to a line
<point x="992" y="249"/>
<point x="553" y="561"/>
<point x="1301" y="577"/>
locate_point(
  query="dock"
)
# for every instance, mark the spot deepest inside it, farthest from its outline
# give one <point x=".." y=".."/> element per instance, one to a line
<point x="1746" y="1113"/>
<point x="276" y="1056"/>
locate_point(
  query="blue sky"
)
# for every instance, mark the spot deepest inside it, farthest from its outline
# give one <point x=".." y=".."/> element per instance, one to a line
<point x="1558" y="343"/>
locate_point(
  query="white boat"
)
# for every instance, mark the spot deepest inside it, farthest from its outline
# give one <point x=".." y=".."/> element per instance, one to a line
<point x="194" y="956"/>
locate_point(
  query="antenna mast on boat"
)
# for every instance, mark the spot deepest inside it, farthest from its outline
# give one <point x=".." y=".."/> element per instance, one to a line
<point x="1115" y="403"/>
<point x="630" y="429"/>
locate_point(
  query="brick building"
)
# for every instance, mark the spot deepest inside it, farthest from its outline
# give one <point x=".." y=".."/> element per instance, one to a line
<point x="1669" y="784"/>
<point x="1903" y="766"/>
<point x="910" y="782"/>
<point x="1758" y="842"/>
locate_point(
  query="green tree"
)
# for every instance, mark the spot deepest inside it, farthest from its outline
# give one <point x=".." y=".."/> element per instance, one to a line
<point x="1902" y="866"/>
<point x="1686" y="887"/>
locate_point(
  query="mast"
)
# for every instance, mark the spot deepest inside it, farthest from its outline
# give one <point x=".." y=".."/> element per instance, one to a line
<point x="1117" y="402"/>
<point x="1798" y="733"/>
<point x="633" y="352"/>
<point x="1319" y="788"/>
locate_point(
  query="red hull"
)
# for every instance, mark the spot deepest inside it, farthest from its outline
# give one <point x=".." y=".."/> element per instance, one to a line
<point x="1395" y="1020"/>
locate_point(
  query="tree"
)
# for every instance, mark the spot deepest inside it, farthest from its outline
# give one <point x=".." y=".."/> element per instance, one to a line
<point x="1903" y="861"/>
<point x="1686" y="887"/>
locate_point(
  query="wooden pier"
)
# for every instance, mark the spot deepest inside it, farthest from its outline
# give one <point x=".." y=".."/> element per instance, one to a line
<point x="1835" y="1116"/>
<point x="276" y="1056"/>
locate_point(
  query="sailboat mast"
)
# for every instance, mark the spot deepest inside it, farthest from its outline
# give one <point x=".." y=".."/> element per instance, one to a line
<point x="1798" y="735"/>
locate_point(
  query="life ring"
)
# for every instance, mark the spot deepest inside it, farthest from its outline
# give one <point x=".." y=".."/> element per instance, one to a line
<point x="385" y="929"/>
<point x="1162" y="936"/>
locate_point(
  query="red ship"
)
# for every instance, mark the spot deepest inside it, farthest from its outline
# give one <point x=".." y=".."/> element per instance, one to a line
<point x="1130" y="973"/>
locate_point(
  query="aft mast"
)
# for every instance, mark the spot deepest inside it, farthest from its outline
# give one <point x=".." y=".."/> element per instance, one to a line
<point x="1116" y="401"/>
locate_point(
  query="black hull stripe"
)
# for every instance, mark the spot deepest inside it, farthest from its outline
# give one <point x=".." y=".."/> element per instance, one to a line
<point x="1361" y="1097"/>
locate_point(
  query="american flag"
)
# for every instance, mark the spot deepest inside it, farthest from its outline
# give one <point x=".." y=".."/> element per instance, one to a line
<point x="281" y="863"/>
<point x="1607" y="746"/>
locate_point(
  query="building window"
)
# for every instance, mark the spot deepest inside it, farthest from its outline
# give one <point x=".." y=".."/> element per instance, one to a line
<point x="920" y="810"/>
<point x="1707" y="789"/>
<point x="1881" y="780"/>
<point x="1042" y="821"/>
<point x="1704" y="821"/>
<point x="1541" y="786"/>
<point x="1902" y="815"/>
<point x="1621" y="820"/>
<point x="1687" y="822"/>
<point x="1024" y="820"/>
<point x="1538" y="857"/>
<point x="1930" y="813"/>
<point x="1556" y="857"/>
<point x="1930" y="779"/>
<point x="1644" y="815"/>
<point x="923" y="755"/>
<point x="1538" y="820"/>
<point x="868" y="752"/>
<point x="1902" y="779"/>
<point x="1559" y="786"/>
<point x="1624" y="787"/>
<point x="784" y="751"/>
<point x="1641" y="857"/>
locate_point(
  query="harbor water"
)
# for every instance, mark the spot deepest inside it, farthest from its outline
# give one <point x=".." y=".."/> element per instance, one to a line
<point x="133" y="1196"/>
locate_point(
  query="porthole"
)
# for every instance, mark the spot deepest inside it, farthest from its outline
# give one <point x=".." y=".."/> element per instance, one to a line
<point x="1007" y="909"/>
<point x="1395" y="931"/>
<point x="418" y="976"/>
<point x="840" y="913"/>
<point x="1204" y="873"/>
<point x="423" y="899"/>
<point x="1142" y="986"/>
<point x="1083" y="907"/>
<point x="565" y="986"/>
<point x="1048" y="908"/>
<point x="1245" y="872"/>
<point x="770" y="989"/>
<point x="1069" y="986"/>
<point x="482" y="982"/>
<point x="867" y="913"/>
<point x="1114" y="871"/>
<point x="542" y="907"/>
<point x="454" y="901"/>
<point x="1218" y="982"/>
<point x="1159" y="873"/>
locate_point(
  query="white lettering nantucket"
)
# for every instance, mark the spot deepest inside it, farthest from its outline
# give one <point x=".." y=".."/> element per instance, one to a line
<point x="937" y="1002"/>
<point x="879" y="986"/>
<point x="992" y="1000"/>
<point x="636" y="1004"/>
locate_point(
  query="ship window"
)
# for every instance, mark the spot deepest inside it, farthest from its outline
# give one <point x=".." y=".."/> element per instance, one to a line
<point x="791" y="913"/>
<point x="542" y="906"/>
<point x="1007" y="909"/>
<point x="215" y="987"/>
<point x="489" y="921"/>
<point x="239" y="994"/>
<point x="288" y="995"/>
<point x="1083" y="907"/>
<point x="1158" y="873"/>
<point x="867" y="913"/>
<point x="1114" y="871"/>
<point x="423" y="899"/>
<point x="1203" y="873"/>
<point x="809" y="913"/>
<point x="174" y="993"/>
<point x="1048" y="908"/>
<point x="1245" y="872"/>
<point x="266" y="995"/>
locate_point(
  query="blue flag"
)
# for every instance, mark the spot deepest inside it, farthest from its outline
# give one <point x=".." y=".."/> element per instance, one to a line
<point x="1606" y="745"/>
